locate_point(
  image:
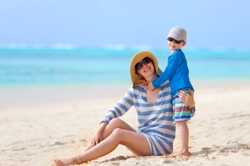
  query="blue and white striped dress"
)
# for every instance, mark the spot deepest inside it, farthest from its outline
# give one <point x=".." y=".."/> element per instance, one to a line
<point x="155" y="119"/>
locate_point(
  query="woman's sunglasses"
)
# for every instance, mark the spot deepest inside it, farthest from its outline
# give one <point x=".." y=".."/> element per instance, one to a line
<point x="170" y="39"/>
<point x="145" y="61"/>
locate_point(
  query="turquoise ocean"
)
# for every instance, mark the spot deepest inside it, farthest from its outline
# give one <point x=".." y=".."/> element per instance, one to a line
<point x="103" y="66"/>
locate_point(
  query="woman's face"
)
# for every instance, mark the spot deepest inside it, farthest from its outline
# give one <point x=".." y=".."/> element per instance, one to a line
<point x="146" y="69"/>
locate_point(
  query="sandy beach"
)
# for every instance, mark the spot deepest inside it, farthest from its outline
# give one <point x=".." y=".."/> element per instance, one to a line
<point x="39" y="124"/>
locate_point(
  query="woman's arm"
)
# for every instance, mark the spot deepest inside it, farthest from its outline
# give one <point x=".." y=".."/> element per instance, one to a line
<point x="121" y="107"/>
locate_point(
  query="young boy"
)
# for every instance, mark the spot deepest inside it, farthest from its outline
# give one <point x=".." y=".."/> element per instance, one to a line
<point x="177" y="74"/>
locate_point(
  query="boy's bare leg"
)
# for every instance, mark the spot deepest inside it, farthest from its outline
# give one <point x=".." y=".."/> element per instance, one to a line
<point x="182" y="129"/>
<point x="134" y="141"/>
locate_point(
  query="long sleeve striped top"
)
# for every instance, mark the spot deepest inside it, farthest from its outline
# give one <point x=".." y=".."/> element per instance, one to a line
<point x="153" y="118"/>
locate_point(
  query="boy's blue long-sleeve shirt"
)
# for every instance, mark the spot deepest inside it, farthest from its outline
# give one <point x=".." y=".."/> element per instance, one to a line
<point x="176" y="72"/>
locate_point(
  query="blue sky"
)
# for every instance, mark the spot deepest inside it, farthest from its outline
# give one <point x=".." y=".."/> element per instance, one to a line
<point x="214" y="24"/>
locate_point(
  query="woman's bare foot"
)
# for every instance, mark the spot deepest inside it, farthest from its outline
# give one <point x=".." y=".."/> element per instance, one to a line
<point x="58" y="163"/>
<point x="65" y="162"/>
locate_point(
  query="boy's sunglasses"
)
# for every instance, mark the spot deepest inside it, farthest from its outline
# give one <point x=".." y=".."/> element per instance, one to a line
<point x="145" y="61"/>
<point x="170" y="39"/>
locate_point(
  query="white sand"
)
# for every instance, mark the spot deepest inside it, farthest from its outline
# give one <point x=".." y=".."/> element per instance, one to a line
<point x="40" y="124"/>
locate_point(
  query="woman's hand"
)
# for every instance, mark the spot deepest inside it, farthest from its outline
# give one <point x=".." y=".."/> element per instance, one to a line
<point x="188" y="99"/>
<point x="98" y="135"/>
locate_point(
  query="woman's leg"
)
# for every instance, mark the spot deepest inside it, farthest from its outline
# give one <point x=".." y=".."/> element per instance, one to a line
<point x="183" y="132"/>
<point x="113" y="124"/>
<point x="134" y="141"/>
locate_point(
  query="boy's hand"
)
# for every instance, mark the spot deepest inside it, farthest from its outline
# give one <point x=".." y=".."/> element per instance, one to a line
<point x="156" y="90"/>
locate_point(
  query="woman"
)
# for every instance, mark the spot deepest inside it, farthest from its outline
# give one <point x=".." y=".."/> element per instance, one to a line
<point x="156" y="131"/>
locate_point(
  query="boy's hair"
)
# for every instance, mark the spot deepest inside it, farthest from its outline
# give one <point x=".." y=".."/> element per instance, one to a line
<point x="178" y="34"/>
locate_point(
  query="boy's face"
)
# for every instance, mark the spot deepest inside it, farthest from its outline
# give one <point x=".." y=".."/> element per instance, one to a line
<point x="174" y="44"/>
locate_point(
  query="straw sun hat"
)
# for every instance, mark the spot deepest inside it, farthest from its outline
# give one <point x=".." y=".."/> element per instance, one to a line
<point x="137" y="79"/>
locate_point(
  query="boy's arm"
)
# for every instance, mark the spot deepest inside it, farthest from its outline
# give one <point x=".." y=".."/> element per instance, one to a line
<point x="169" y="71"/>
